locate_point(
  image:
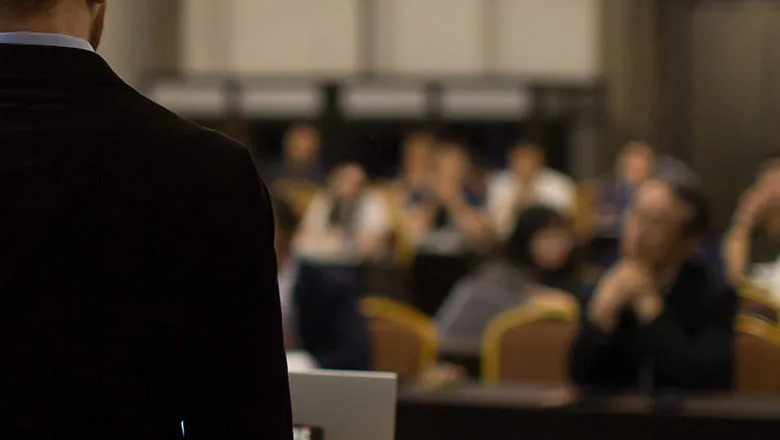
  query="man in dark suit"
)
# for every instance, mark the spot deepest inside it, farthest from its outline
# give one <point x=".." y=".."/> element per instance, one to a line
<point x="137" y="273"/>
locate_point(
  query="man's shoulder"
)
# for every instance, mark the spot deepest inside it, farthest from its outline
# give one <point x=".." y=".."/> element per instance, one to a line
<point x="160" y="135"/>
<point x="156" y="121"/>
<point x="703" y="278"/>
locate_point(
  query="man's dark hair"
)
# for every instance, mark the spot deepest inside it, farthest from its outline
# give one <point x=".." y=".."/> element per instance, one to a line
<point x="530" y="221"/>
<point x="26" y="8"/>
<point x="689" y="192"/>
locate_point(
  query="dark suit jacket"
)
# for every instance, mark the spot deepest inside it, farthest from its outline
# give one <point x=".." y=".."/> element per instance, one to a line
<point x="137" y="271"/>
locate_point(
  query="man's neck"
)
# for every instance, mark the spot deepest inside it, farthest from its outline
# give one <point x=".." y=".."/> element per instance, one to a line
<point x="62" y="20"/>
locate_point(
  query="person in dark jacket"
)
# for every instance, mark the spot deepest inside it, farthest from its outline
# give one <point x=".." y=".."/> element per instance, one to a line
<point x="329" y="323"/>
<point x="658" y="319"/>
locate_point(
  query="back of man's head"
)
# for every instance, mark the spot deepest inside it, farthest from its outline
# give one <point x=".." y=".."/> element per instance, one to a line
<point x="26" y="8"/>
<point x="82" y="19"/>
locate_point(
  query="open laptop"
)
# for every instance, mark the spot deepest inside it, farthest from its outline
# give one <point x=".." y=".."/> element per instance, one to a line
<point x="341" y="405"/>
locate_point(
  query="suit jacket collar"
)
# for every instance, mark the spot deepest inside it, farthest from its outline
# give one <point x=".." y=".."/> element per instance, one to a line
<point x="54" y="64"/>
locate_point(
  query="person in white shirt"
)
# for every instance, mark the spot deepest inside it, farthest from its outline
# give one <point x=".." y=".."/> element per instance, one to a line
<point x="527" y="181"/>
<point x="345" y="223"/>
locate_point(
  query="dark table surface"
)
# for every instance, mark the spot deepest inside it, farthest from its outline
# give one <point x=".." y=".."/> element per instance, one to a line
<point x="465" y="353"/>
<point x="470" y="411"/>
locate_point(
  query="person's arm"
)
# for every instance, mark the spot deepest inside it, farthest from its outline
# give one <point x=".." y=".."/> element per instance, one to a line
<point x="737" y="253"/>
<point x="472" y="222"/>
<point x="375" y="226"/>
<point x="501" y="205"/>
<point x="233" y="371"/>
<point x="602" y="353"/>
<point x="315" y="237"/>
<point x="702" y="360"/>
<point x="736" y="246"/>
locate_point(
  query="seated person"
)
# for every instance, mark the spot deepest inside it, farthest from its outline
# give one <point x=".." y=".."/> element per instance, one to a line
<point x="344" y="226"/>
<point x="754" y="235"/>
<point x="330" y="326"/>
<point x="457" y="209"/>
<point x="657" y="319"/>
<point x="345" y="223"/>
<point x="527" y="182"/>
<point x="414" y="186"/>
<point x="300" y="156"/>
<point x="532" y="264"/>
<point x="636" y="163"/>
<point x="415" y="181"/>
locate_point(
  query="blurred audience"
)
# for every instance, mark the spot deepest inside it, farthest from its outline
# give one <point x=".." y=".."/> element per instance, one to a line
<point x="347" y="222"/>
<point x="300" y="156"/>
<point x="345" y="225"/>
<point x="659" y="316"/>
<point x="413" y="188"/>
<point x="752" y="244"/>
<point x="636" y="163"/>
<point x="527" y="181"/>
<point x="657" y="319"/>
<point x="457" y="222"/>
<point x="532" y="264"/>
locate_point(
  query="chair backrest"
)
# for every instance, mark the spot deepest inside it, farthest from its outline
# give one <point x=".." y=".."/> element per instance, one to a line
<point x="403" y="340"/>
<point x="584" y="210"/>
<point x="530" y="343"/>
<point x="757" y="357"/>
<point x="403" y="248"/>
<point x="755" y="300"/>
<point x="298" y="193"/>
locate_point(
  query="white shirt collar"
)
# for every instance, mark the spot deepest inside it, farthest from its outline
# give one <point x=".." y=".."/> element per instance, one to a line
<point x="42" y="39"/>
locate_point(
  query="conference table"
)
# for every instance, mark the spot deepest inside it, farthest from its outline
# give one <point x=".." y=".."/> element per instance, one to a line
<point x="471" y="411"/>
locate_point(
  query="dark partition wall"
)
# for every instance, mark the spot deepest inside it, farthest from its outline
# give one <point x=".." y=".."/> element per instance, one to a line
<point x="720" y="94"/>
<point x="771" y="82"/>
<point x="727" y="111"/>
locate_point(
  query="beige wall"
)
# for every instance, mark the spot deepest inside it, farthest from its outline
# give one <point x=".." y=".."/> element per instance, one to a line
<point x="430" y="36"/>
<point x="548" y="37"/>
<point x="141" y="37"/>
<point x="520" y="37"/>
<point x="294" y="36"/>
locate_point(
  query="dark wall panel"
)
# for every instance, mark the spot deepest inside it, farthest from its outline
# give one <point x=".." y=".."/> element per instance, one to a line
<point x="727" y="103"/>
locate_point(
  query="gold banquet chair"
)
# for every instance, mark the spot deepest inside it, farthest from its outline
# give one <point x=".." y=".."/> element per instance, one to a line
<point x="403" y="248"/>
<point x="403" y="340"/>
<point x="757" y="301"/>
<point x="530" y="343"/>
<point x="757" y="356"/>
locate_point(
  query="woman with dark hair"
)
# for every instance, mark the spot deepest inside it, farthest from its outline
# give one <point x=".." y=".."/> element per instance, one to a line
<point x="535" y="261"/>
